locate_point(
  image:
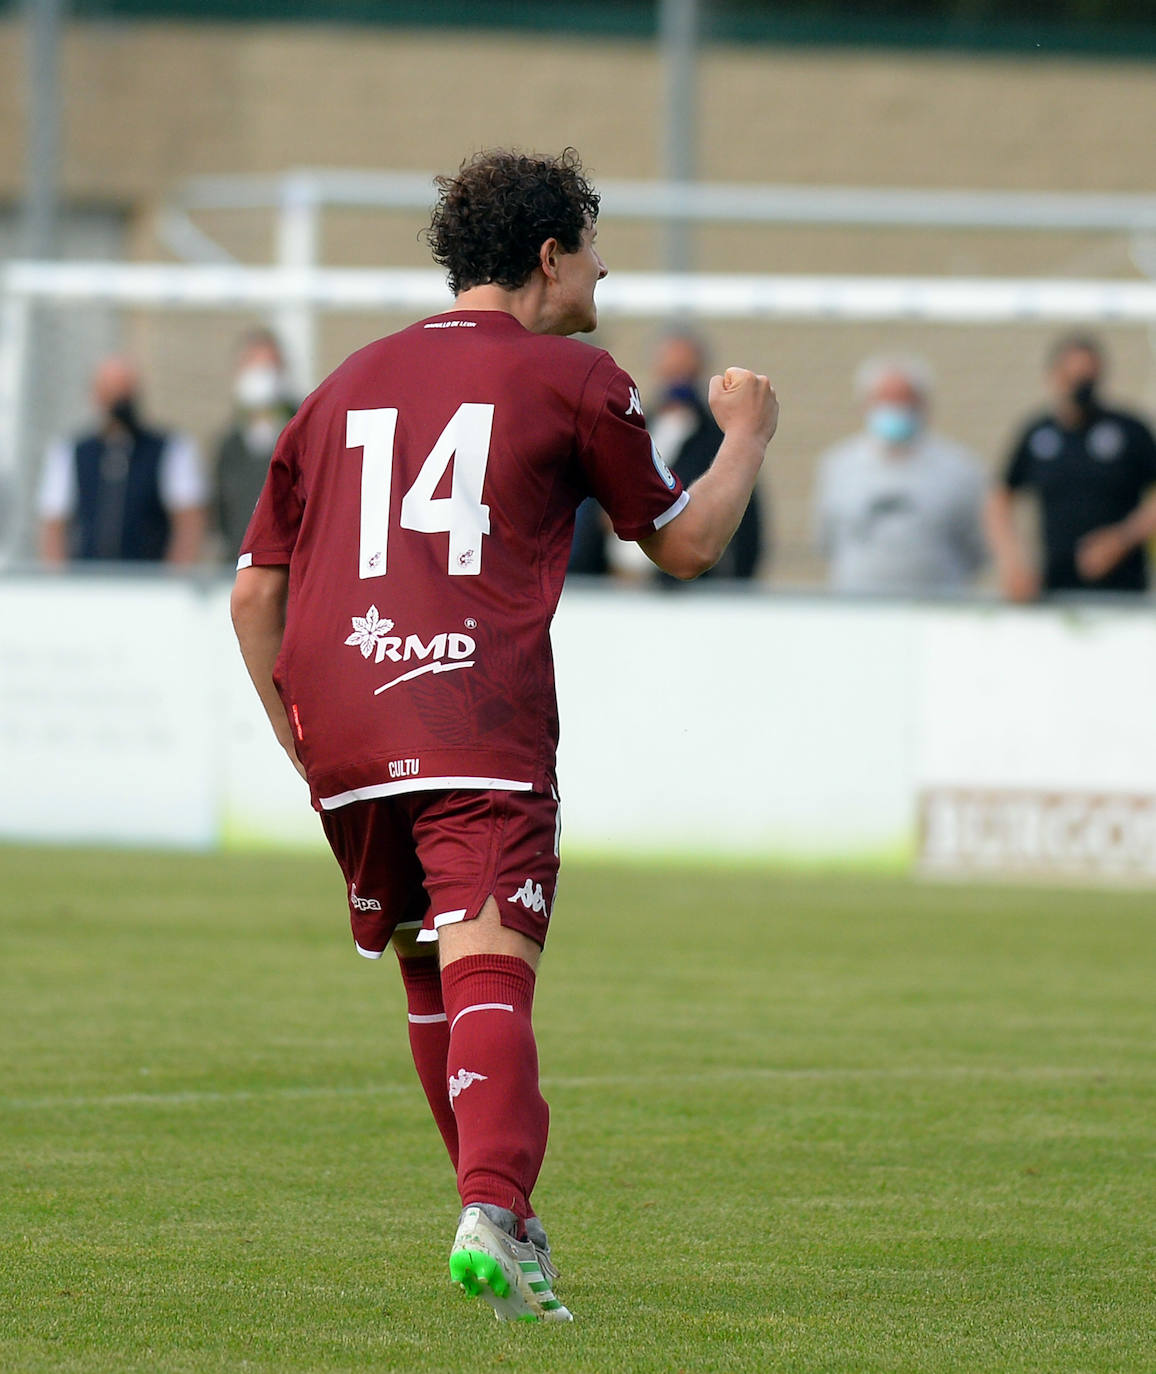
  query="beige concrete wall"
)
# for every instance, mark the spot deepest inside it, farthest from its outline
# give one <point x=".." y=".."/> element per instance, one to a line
<point x="147" y="105"/>
<point x="150" y="103"/>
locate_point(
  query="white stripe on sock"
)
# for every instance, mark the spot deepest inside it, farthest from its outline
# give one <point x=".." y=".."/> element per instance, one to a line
<point x="480" y="1006"/>
<point x="427" y="1020"/>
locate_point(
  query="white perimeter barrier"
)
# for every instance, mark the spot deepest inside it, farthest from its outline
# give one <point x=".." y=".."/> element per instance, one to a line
<point x="750" y="728"/>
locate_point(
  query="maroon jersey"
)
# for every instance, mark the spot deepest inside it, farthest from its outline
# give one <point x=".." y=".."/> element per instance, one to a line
<point x="423" y="498"/>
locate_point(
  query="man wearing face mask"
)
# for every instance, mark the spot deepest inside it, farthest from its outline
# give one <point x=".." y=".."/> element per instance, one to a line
<point x="125" y="492"/>
<point x="898" y="507"/>
<point x="263" y="409"/>
<point x="1089" y="466"/>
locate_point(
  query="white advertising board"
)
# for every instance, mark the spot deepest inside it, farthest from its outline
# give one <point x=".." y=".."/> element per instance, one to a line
<point x="747" y="728"/>
<point x="106" y="711"/>
<point x="709" y="725"/>
<point x="1037" y="741"/>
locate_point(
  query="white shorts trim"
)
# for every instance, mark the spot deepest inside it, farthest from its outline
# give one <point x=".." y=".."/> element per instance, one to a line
<point x="368" y="953"/>
<point x="395" y="789"/>
<point x="480" y="1006"/>
<point x="447" y="918"/>
<point x="677" y="509"/>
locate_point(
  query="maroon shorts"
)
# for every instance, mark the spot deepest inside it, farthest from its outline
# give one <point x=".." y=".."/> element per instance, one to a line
<point x="428" y="859"/>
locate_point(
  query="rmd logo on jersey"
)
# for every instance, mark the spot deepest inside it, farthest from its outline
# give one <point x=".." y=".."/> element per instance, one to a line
<point x="446" y="652"/>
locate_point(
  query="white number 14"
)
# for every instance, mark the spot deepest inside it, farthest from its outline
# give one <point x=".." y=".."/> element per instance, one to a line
<point x="465" y="442"/>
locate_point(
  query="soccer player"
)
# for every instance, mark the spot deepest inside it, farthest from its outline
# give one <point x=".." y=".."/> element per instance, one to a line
<point x="393" y="604"/>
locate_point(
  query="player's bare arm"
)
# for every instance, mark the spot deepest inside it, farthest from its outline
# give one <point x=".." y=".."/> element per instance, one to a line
<point x="747" y="411"/>
<point x="258" y="603"/>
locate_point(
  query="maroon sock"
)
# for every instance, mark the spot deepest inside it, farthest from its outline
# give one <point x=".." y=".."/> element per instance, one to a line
<point x="502" y="1118"/>
<point x="429" y="1040"/>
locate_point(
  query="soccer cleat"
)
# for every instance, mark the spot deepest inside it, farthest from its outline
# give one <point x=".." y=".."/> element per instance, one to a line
<point x="487" y="1262"/>
<point x="536" y="1235"/>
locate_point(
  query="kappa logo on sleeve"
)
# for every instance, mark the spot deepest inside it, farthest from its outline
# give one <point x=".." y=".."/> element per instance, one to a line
<point x="635" y="406"/>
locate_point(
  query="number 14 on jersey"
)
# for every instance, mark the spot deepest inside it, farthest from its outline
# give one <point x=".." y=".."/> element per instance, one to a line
<point x="465" y="442"/>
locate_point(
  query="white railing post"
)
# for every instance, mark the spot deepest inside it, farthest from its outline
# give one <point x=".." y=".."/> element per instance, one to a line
<point x="16" y="476"/>
<point x="298" y="243"/>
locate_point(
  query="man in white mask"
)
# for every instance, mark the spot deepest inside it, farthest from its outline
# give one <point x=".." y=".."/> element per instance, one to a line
<point x="898" y="508"/>
<point x="262" y="408"/>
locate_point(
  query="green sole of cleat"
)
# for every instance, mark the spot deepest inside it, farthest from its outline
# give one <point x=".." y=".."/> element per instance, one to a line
<point x="474" y="1270"/>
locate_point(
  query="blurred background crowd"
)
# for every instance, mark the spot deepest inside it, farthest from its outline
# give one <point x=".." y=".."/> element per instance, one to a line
<point x="897" y="508"/>
<point x="916" y="456"/>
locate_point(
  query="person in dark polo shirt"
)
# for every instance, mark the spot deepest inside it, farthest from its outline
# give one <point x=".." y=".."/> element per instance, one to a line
<point x="124" y="492"/>
<point x="1091" y="467"/>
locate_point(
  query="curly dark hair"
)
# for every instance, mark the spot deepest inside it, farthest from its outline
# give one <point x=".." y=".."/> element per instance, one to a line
<point x="492" y="218"/>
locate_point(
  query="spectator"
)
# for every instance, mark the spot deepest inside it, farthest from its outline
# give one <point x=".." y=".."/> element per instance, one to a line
<point x="124" y="491"/>
<point x="685" y="434"/>
<point x="1089" y="466"/>
<point x="263" y="408"/>
<point x="898" y="508"/>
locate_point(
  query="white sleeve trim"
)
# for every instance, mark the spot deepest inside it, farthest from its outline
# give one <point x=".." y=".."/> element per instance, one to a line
<point x="182" y="478"/>
<point x="56" y="497"/>
<point x="245" y="561"/>
<point x="677" y="509"/>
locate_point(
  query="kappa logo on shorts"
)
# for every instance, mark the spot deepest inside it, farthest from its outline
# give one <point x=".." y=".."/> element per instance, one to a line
<point x="460" y="1081"/>
<point x="362" y="903"/>
<point x="530" y="895"/>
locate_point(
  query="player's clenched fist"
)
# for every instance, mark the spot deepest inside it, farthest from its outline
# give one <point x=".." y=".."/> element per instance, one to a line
<point x="744" y="402"/>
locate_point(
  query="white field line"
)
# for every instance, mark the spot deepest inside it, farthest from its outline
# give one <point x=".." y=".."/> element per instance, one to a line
<point x="1044" y="1073"/>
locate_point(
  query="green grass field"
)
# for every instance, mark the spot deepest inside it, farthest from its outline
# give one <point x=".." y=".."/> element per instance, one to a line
<point x="799" y="1124"/>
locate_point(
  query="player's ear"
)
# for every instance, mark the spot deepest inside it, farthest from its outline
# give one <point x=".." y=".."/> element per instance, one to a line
<point x="548" y="258"/>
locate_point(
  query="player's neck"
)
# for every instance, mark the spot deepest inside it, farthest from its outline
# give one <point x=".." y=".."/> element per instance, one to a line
<point x="525" y="304"/>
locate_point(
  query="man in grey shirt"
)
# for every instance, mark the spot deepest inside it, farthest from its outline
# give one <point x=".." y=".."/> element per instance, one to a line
<point x="898" y="509"/>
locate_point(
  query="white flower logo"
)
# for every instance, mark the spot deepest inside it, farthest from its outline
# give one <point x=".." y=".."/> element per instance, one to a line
<point x="367" y="630"/>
